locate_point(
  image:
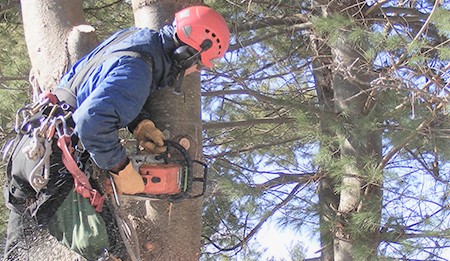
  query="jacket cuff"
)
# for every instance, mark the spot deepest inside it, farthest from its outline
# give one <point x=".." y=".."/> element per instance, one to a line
<point x="119" y="167"/>
<point x="143" y="115"/>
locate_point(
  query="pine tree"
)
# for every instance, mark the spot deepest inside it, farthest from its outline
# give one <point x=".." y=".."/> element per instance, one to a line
<point x="336" y="117"/>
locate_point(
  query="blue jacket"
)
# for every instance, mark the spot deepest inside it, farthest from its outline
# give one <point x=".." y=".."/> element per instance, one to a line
<point x="113" y="95"/>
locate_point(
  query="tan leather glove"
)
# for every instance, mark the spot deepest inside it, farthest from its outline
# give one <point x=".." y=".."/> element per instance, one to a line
<point x="128" y="180"/>
<point x="150" y="137"/>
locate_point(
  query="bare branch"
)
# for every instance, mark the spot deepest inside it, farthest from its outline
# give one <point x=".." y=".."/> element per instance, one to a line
<point x="259" y="146"/>
<point x="258" y="226"/>
<point x="276" y="31"/>
<point x="287" y="179"/>
<point x="246" y="123"/>
<point x="270" y="21"/>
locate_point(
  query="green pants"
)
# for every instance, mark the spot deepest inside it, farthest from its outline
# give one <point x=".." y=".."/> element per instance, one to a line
<point x="77" y="225"/>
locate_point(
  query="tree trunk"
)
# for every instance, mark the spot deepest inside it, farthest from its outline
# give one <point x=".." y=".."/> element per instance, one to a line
<point x="56" y="35"/>
<point x="352" y="99"/>
<point x="171" y="231"/>
<point x="328" y="197"/>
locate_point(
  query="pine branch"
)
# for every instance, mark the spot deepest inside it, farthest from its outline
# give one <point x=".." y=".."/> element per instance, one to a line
<point x="278" y="173"/>
<point x="246" y="123"/>
<point x="6" y="6"/>
<point x="407" y="14"/>
<point x="223" y="93"/>
<point x="419" y="158"/>
<point x="402" y="144"/>
<point x="425" y="25"/>
<point x="269" y="22"/>
<point x="398" y="236"/>
<point x="326" y="114"/>
<point x="16" y="78"/>
<point x="256" y="147"/>
<point x="425" y="123"/>
<point x="274" y="32"/>
<point x="104" y="6"/>
<point x="287" y="179"/>
<point x="399" y="233"/>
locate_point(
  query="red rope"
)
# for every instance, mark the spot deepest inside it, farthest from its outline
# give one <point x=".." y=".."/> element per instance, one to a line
<point x="82" y="185"/>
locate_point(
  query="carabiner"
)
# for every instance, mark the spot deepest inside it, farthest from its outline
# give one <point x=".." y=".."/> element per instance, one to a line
<point x="23" y="113"/>
<point x="57" y="122"/>
<point x="39" y="105"/>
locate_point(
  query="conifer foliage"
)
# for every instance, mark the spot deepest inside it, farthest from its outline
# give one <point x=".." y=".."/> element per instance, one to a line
<point x="331" y="117"/>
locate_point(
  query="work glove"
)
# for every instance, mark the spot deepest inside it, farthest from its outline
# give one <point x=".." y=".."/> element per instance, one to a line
<point x="150" y="137"/>
<point x="128" y="180"/>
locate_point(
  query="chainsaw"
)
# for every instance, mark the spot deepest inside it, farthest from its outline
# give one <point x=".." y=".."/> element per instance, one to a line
<point x="169" y="176"/>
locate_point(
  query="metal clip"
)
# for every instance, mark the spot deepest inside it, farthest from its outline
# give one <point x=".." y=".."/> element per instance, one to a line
<point x="116" y="194"/>
<point x="58" y="122"/>
<point x="39" y="105"/>
<point x="46" y="125"/>
<point x="65" y="106"/>
<point x="22" y="114"/>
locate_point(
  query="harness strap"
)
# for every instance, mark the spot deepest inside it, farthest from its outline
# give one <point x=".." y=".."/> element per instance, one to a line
<point x="82" y="185"/>
<point x="68" y="92"/>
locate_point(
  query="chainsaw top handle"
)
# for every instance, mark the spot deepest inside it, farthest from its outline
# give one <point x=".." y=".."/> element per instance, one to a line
<point x="177" y="146"/>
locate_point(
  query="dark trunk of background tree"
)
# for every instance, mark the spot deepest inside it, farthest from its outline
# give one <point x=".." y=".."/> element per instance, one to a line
<point x="328" y="197"/>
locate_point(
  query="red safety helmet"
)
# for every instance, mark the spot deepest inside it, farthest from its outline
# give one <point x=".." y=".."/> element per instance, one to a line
<point x="205" y="30"/>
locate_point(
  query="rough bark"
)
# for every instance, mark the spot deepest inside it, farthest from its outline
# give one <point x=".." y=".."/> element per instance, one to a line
<point x="55" y="38"/>
<point x="171" y="231"/>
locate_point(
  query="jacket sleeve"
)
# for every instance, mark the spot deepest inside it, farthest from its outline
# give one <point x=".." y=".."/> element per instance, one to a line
<point x="141" y="116"/>
<point x="112" y="100"/>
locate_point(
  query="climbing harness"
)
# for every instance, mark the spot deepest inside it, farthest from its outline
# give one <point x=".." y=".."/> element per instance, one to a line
<point x="45" y="121"/>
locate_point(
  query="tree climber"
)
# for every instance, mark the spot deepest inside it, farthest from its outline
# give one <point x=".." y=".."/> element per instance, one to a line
<point x="102" y="93"/>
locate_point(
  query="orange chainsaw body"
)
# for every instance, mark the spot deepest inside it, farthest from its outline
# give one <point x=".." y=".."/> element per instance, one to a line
<point x="161" y="179"/>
